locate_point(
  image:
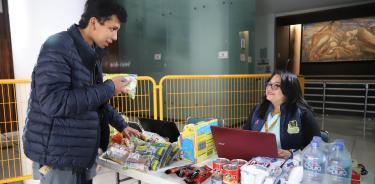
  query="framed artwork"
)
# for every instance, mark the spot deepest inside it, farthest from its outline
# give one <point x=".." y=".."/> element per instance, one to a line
<point x="340" y="40"/>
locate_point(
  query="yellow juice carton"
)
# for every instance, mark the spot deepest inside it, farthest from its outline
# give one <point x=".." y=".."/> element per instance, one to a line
<point x="196" y="141"/>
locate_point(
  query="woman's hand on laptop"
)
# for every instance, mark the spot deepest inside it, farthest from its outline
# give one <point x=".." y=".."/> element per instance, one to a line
<point x="283" y="153"/>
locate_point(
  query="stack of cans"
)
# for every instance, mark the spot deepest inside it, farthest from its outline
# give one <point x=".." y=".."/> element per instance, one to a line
<point x="226" y="171"/>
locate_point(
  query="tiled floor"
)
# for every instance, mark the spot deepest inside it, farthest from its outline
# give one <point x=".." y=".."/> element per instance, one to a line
<point x="359" y="141"/>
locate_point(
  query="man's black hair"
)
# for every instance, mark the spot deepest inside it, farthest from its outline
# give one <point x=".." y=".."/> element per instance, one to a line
<point x="102" y="10"/>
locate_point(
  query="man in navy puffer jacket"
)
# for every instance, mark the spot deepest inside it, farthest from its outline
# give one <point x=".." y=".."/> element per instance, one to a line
<point x="68" y="112"/>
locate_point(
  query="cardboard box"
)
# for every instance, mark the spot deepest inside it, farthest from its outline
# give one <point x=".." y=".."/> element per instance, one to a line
<point x="196" y="141"/>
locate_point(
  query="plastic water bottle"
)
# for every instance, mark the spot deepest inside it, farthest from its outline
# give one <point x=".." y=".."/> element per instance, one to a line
<point x="339" y="164"/>
<point x="316" y="138"/>
<point x="313" y="162"/>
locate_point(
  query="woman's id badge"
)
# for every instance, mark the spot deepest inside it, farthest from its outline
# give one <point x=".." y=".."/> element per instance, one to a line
<point x="293" y="127"/>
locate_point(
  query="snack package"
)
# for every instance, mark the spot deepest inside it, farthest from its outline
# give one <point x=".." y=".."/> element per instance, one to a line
<point x="117" y="153"/>
<point x="199" y="175"/>
<point x="259" y="168"/>
<point x="137" y="142"/>
<point x="137" y="161"/>
<point x="130" y="87"/>
<point x="176" y="169"/>
<point x="170" y="154"/>
<point x="156" y="152"/>
<point x="117" y="138"/>
<point x="153" y="137"/>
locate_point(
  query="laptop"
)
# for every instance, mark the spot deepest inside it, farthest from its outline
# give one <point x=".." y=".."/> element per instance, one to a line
<point x="232" y="143"/>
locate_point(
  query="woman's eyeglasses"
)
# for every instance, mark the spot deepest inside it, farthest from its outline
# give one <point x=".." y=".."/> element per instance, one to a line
<point x="274" y="86"/>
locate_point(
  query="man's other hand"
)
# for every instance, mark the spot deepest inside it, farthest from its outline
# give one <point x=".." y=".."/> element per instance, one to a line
<point x="129" y="132"/>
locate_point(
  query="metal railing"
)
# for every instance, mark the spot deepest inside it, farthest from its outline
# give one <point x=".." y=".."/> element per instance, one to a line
<point x="357" y="98"/>
<point x="14" y="95"/>
<point x="228" y="97"/>
<point x="144" y="104"/>
<point x="13" y="105"/>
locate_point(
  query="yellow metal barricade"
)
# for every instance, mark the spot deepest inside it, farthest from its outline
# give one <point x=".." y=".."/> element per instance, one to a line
<point x="228" y="97"/>
<point x="145" y="103"/>
<point x="14" y="96"/>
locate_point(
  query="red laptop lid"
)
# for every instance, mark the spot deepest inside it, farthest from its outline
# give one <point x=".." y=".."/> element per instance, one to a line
<point x="232" y="143"/>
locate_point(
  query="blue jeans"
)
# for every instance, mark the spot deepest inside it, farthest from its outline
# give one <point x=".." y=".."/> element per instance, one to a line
<point x="61" y="176"/>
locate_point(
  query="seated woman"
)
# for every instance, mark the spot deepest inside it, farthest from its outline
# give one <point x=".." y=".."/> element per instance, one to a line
<point x="284" y="113"/>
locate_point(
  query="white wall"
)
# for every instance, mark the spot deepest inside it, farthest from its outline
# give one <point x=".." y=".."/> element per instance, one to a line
<point x="31" y="22"/>
<point x="264" y="31"/>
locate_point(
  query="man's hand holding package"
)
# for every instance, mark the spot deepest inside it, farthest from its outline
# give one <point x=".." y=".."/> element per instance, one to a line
<point x="120" y="83"/>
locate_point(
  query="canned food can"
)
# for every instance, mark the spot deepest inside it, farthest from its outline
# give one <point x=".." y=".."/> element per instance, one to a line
<point x="230" y="174"/>
<point x="239" y="163"/>
<point x="217" y="165"/>
<point x="216" y="180"/>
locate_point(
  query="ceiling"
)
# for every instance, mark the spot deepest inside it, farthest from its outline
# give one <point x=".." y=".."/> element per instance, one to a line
<point x="284" y="6"/>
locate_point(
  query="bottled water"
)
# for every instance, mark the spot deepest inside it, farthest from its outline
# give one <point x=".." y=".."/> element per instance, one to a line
<point x="339" y="164"/>
<point x="318" y="139"/>
<point x="314" y="161"/>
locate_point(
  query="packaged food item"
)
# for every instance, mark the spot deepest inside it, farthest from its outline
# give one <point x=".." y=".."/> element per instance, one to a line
<point x="217" y="165"/>
<point x="199" y="175"/>
<point x="137" y="142"/>
<point x="259" y="168"/>
<point x="176" y="169"/>
<point x="239" y="163"/>
<point x="153" y="148"/>
<point x="117" y="153"/>
<point x="230" y="174"/>
<point x="216" y="177"/>
<point x="137" y="161"/>
<point x="130" y="87"/>
<point x="117" y="138"/>
<point x="174" y="152"/>
<point x="196" y="141"/>
<point x="217" y="172"/>
<point x="153" y="137"/>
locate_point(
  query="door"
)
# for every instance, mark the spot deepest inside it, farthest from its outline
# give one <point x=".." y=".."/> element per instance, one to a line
<point x="282" y="47"/>
<point x="6" y="63"/>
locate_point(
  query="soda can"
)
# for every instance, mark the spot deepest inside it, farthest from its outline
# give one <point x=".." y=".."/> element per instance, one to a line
<point x="230" y="174"/>
<point x="239" y="163"/>
<point x="217" y="165"/>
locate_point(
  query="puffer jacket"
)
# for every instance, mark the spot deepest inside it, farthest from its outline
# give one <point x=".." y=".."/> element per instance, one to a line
<point x="302" y="118"/>
<point x="68" y="104"/>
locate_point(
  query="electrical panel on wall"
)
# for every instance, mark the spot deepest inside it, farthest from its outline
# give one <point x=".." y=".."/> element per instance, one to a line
<point x="244" y="47"/>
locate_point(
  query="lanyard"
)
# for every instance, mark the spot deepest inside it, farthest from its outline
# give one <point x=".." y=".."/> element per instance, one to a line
<point x="273" y="121"/>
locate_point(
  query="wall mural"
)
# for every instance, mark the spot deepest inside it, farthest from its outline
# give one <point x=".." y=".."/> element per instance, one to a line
<point x="341" y="40"/>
